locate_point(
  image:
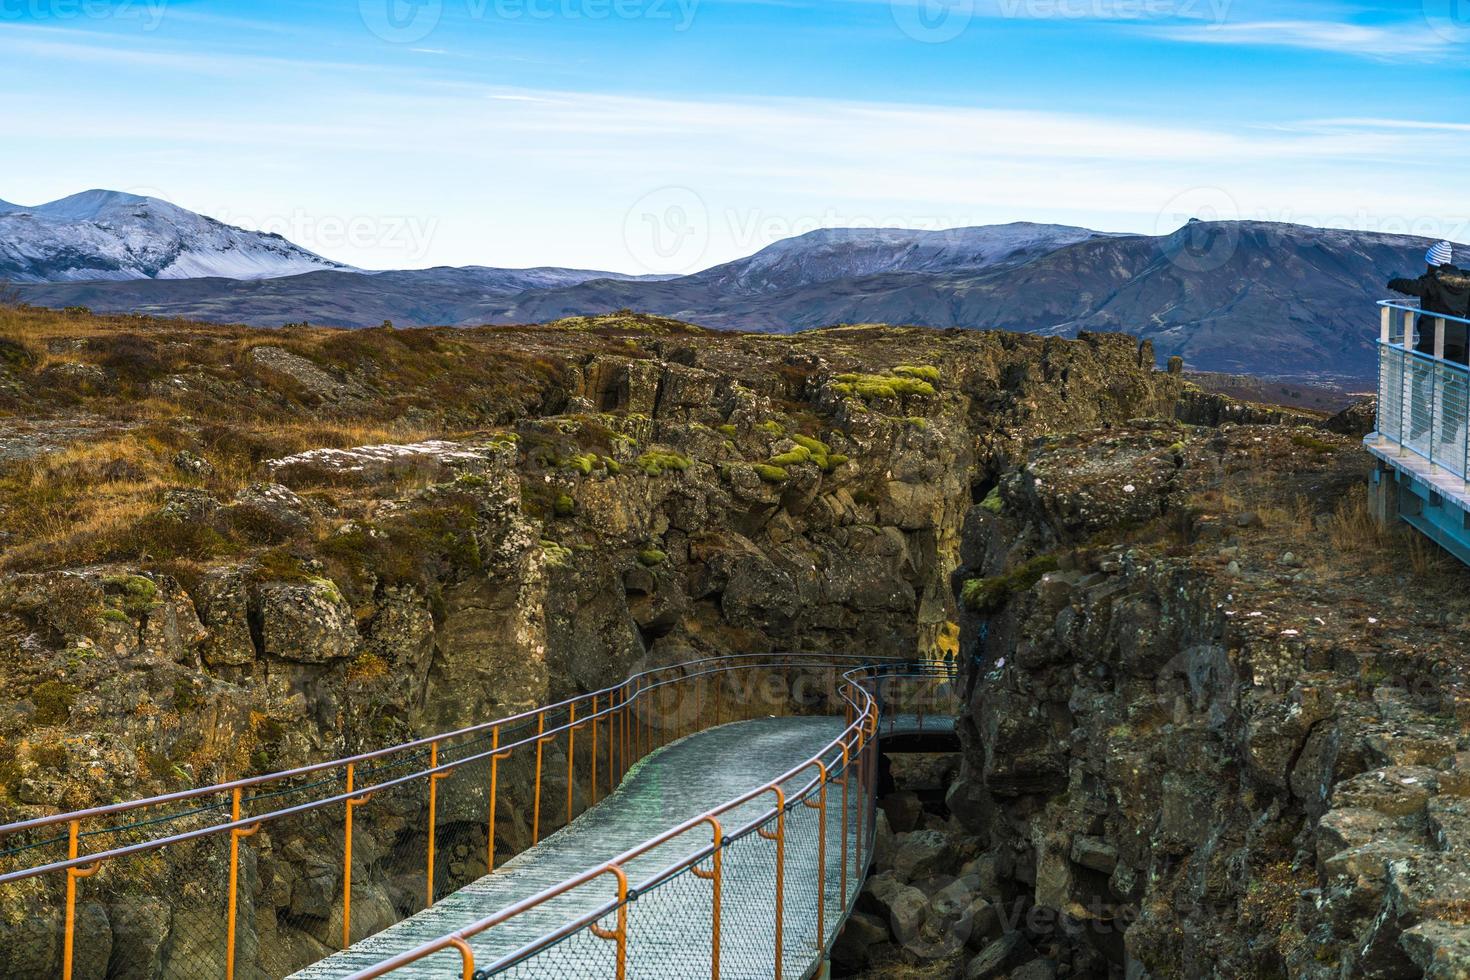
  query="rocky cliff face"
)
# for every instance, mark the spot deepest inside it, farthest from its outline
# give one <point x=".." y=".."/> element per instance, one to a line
<point x="1216" y="718"/>
<point x="1214" y="715"/>
<point x="235" y="572"/>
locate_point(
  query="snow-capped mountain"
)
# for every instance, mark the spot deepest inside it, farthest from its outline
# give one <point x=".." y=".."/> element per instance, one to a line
<point x="111" y="235"/>
<point x="849" y="253"/>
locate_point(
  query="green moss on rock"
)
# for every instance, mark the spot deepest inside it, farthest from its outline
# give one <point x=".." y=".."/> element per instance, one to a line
<point x="771" y="474"/>
<point x="53" y="701"/>
<point x="138" y="593"/>
<point x="870" y="386"/>
<point x="987" y="595"/>
<point x="924" y="372"/>
<point x="582" y="462"/>
<point x="657" y="463"/>
<point x="556" y="553"/>
<point x="794" y="457"/>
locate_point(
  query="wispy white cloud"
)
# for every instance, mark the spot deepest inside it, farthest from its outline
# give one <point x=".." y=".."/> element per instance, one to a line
<point x="532" y="176"/>
<point x="105" y="49"/>
<point x="1412" y="38"/>
<point x="1414" y="124"/>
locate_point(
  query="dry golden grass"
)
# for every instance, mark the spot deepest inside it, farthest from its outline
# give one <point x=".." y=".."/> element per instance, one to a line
<point x="77" y="504"/>
<point x="1352" y="528"/>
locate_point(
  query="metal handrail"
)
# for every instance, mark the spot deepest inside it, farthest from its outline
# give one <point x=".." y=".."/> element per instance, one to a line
<point x="1393" y="304"/>
<point x="358" y="792"/>
<point x="425" y="742"/>
<point x="863" y="729"/>
<point x="632" y="734"/>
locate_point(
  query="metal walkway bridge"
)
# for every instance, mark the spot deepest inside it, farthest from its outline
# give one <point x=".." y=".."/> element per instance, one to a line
<point x="708" y="819"/>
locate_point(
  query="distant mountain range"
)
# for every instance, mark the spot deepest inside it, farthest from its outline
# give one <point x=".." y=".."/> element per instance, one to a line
<point x="109" y="235"/>
<point x="1247" y="297"/>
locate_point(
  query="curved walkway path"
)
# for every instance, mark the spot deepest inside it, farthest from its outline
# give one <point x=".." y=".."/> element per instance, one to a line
<point x="669" y="925"/>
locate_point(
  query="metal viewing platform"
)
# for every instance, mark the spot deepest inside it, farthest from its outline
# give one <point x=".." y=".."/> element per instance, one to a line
<point x="1423" y="472"/>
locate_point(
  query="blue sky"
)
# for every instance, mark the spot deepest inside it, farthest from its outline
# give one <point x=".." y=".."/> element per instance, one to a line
<point x="667" y="135"/>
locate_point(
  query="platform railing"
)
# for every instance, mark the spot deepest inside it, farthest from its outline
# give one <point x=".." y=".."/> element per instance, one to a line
<point x="799" y="820"/>
<point x="387" y="826"/>
<point x="1423" y="398"/>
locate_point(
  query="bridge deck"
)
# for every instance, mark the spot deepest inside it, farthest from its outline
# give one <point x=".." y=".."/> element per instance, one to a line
<point x="668" y="927"/>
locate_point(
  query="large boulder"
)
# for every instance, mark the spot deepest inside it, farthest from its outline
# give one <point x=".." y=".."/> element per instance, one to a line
<point x="306" y="622"/>
<point x="921" y="854"/>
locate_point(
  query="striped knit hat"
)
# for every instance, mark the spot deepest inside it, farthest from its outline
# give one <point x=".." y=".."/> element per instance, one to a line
<point x="1441" y="254"/>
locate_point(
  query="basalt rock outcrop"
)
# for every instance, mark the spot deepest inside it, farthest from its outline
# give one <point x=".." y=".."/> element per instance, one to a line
<point x="1216" y="716"/>
<point x="276" y="580"/>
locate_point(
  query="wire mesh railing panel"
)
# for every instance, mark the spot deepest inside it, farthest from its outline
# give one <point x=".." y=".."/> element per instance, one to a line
<point x="801" y="889"/>
<point x="579" y="956"/>
<point x="155" y="914"/>
<point x="1390" y="391"/>
<point x="657" y="951"/>
<point x="1420" y="413"/>
<point x="747" y="909"/>
<point x="1450" y="417"/>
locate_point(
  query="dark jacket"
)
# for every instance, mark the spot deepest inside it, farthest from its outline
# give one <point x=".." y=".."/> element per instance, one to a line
<point x="1442" y="290"/>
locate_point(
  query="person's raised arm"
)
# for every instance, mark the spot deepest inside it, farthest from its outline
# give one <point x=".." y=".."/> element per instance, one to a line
<point x="1410" y="287"/>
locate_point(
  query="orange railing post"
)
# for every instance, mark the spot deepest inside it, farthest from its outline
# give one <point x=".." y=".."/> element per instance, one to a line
<point x="571" y="754"/>
<point x="434" y="778"/>
<point x="821" y="807"/>
<point x="72" y="874"/>
<point x="235" y="836"/>
<point x="536" y="805"/>
<point x="619" y="934"/>
<point x="780" y="838"/>
<point x="845" y="776"/>
<point x="433" y="819"/>
<point x="466" y="958"/>
<point x="495" y="757"/>
<point x="861" y="762"/>
<point x="592" y="782"/>
<point x="352" y="804"/>
<point x="714" y="877"/>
